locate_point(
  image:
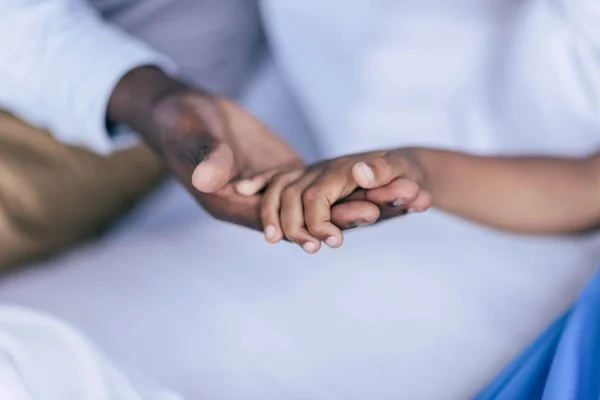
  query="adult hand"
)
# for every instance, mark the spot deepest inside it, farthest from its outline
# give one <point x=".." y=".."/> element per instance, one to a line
<point x="208" y="141"/>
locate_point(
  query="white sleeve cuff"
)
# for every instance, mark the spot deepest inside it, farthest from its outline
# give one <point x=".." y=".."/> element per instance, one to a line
<point x="61" y="71"/>
<point x="94" y="71"/>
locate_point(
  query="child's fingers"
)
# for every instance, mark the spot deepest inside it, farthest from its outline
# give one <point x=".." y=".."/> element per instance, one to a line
<point x="318" y="199"/>
<point x="292" y="214"/>
<point x="271" y="203"/>
<point x="251" y="186"/>
<point x="377" y="171"/>
<point x="398" y="193"/>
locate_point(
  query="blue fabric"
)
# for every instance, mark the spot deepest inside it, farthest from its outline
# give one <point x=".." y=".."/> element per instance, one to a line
<point x="562" y="364"/>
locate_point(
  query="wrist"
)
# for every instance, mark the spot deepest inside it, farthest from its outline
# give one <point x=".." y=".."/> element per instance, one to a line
<point x="159" y="107"/>
<point x="426" y="163"/>
<point x="134" y="99"/>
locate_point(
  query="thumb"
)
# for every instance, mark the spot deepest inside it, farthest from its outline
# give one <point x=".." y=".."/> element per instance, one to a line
<point x="216" y="171"/>
<point x="377" y="171"/>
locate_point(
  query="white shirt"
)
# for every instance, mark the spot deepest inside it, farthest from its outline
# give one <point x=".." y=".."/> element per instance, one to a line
<point x="483" y="75"/>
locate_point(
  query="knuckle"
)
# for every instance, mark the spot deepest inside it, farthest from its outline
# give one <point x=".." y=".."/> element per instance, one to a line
<point x="318" y="229"/>
<point x="312" y="194"/>
<point x="290" y="192"/>
<point x="338" y="162"/>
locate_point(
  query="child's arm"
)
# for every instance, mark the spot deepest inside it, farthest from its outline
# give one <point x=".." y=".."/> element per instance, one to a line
<point x="524" y="194"/>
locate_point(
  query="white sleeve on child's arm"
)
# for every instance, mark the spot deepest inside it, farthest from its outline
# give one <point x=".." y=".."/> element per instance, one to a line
<point x="59" y="63"/>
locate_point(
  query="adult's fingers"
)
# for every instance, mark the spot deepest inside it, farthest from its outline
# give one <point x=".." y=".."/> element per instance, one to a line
<point x="226" y="205"/>
<point x="215" y="171"/>
<point x="377" y="171"/>
<point x="399" y="196"/>
<point x="353" y="214"/>
<point x="398" y="193"/>
<point x="191" y="145"/>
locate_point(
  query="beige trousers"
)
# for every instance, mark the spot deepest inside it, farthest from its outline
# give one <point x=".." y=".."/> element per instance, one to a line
<point x="52" y="195"/>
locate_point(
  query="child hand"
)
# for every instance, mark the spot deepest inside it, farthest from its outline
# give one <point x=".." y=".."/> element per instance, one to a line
<point x="297" y="203"/>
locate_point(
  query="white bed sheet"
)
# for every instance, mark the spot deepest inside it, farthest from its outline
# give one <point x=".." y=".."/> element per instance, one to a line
<point x="424" y="307"/>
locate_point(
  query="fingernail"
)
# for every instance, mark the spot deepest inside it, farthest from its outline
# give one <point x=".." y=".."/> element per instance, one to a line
<point x="241" y="185"/>
<point x="270" y="232"/>
<point x="309" y="247"/>
<point x="332" y="241"/>
<point x="245" y="188"/>
<point x="367" y="171"/>
<point x="413" y="210"/>
<point x="398" y="203"/>
<point x="361" y="223"/>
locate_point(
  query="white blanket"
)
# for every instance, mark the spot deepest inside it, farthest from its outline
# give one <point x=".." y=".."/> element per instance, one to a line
<point x="423" y="307"/>
<point x="44" y="359"/>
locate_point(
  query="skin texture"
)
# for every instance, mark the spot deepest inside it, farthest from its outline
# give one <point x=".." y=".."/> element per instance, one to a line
<point x="226" y="158"/>
<point x="536" y="194"/>
<point x="298" y="203"/>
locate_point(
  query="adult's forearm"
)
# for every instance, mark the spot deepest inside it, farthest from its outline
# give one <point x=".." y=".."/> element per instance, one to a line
<point x="523" y="194"/>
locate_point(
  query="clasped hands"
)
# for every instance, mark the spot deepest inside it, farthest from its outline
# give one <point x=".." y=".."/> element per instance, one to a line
<point x="242" y="172"/>
<point x="245" y="174"/>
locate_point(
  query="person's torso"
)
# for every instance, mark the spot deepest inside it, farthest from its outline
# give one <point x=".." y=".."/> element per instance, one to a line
<point x="377" y="74"/>
<point x="216" y="44"/>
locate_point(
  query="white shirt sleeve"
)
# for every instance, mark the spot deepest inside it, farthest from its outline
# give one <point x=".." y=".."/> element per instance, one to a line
<point x="59" y="63"/>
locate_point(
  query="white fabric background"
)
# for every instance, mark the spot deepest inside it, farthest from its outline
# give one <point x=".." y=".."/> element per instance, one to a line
<point x="44" y="359"/>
